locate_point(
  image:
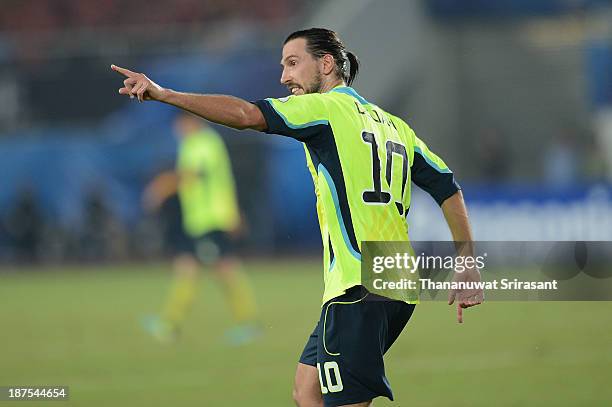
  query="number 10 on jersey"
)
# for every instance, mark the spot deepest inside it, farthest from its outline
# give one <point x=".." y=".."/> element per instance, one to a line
<point x="377" y="195"/>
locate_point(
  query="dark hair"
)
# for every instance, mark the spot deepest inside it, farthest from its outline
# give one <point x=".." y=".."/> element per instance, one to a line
<point x="321" y="41"/>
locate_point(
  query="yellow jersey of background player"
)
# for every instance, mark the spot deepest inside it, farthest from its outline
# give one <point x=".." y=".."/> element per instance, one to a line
<point x="210" y="220"/>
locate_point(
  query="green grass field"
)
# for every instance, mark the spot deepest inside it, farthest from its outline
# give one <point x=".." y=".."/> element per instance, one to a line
<point x="79" y="327"/>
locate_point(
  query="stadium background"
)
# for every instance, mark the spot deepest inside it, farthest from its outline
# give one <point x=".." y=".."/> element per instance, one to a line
<point x="515" y="95"/>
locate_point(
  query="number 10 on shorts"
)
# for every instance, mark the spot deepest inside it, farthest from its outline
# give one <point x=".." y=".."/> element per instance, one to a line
<point x="333" y="381"/>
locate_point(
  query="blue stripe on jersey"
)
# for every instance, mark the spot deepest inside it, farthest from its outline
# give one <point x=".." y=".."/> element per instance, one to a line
<point x="431" y="163"/>
<point x="332" y="187"/>
<point x="333" y="263"/>
<point x="350" y="91"/>
<point x="296" y="126"/>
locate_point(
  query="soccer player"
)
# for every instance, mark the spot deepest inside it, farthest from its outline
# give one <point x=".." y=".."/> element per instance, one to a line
<point x="350" y="146"/>
<point x="210" y="217"/>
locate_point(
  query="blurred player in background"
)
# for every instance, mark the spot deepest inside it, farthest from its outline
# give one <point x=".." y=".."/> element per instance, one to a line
<point x="351" y="146"/>
<point x="211" y="223"/>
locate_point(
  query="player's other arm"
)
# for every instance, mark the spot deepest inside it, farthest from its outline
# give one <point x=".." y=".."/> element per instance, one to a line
<point x="164" y="185"/>
<point x="221" y="109"/>
<point x="456" y="217"/>
<point x="430" y="173"/>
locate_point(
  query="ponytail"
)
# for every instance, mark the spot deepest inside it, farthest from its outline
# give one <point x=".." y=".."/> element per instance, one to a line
<point x="353" y="69"/>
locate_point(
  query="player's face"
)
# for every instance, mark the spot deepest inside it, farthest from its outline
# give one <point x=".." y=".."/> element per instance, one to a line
<point x="301" y="71"/>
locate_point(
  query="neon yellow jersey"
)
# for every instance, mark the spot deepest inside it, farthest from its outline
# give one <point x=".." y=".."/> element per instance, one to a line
<point x="206" y="187"/>
<point x="362" y="160"/>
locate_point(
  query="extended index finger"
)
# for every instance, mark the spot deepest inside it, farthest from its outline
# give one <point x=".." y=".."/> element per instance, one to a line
<point x="122" y="71"/>
<point x="459" y="313"/>
<point x="451" y="296"/>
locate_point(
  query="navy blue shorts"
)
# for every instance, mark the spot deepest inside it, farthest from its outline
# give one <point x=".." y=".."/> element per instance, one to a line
<point x="347" y="346"/>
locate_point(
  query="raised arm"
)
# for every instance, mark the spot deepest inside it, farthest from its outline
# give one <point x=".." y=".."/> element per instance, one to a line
<point x="222" y="109"/>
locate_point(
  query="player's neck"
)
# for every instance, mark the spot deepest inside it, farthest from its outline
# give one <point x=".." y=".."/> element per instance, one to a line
<point x="327" y="86"/>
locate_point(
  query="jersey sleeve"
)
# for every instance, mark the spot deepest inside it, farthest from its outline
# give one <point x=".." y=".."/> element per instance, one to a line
<point x="299" y="117"/>
<point x="431" y="174"/>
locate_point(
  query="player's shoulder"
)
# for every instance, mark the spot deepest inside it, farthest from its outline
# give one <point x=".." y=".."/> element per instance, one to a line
<point x="300" y="108"/>
<point x="350" y="95"/>
<point x="308" y="98"/>
<point x="341" y="93"/>
<point x="399" y="123"/>
<point x="345" y="93"/>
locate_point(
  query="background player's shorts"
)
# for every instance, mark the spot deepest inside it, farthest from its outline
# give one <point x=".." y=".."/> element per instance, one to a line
<point x="210" y="247"/>
<point x="347" y="346"/>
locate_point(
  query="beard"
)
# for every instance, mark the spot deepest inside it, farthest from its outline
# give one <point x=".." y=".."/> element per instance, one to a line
<point x="315" y="86"/>
<point x="312" y="87"/>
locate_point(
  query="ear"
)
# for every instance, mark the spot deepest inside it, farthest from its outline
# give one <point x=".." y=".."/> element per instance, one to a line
<point x="328" y="64"/>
